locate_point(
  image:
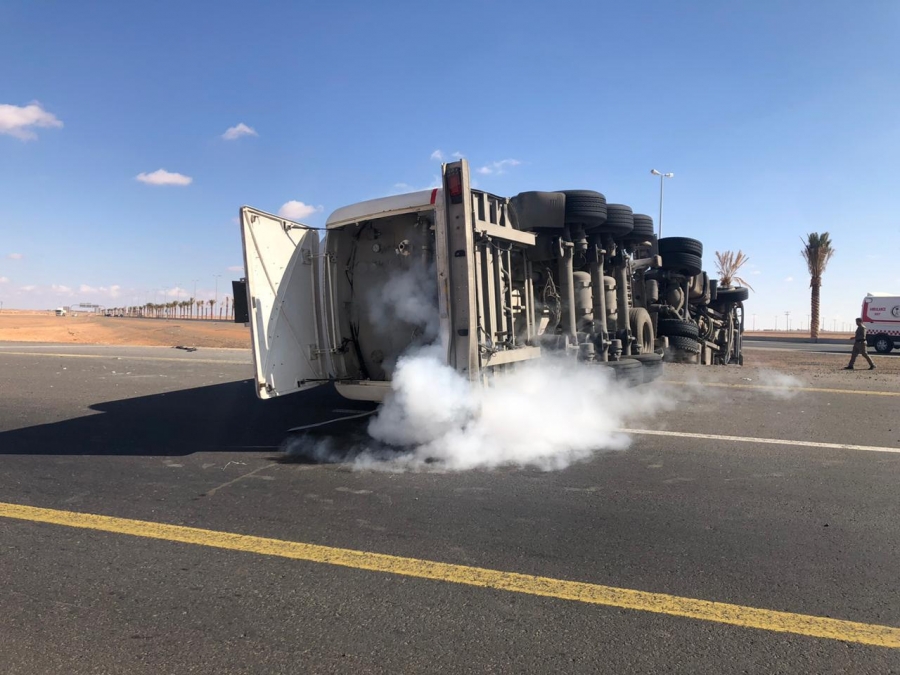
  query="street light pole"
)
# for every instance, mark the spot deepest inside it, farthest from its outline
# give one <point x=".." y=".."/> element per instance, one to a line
<point x="216" y="303"/>
<point x="662" y="177"/>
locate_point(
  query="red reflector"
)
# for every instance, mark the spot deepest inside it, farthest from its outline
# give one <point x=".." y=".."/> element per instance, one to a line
<point x="454" y="185"/>
<point x="433" y="196"/>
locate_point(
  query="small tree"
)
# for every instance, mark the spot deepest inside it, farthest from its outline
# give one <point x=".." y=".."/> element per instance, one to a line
<point x="728" y="264"/>
<point x="816" y="251"/>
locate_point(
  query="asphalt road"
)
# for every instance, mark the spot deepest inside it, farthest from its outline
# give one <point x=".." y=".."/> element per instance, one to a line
<point x="827" y="347"/>
<point x="164" y="436"/>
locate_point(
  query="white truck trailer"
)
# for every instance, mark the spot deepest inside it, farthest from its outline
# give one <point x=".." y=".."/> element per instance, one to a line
<point x="494" y="281"/>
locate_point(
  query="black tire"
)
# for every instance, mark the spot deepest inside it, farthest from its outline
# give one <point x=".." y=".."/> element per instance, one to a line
<point x="883" y="344"/>
<point x="643" y="226"/>
<point x="619" y="221"/>
<point x="627" y="370"/>
<point x="530" y="211"/>
<point x="686" y="263"/>
<point x="585" y="207"/>
<point x="642" y="328"/>
<point x="726" y="295"/>
<point x="678" y="328"/>
<point x="684" y="344"/>
<point x="652" y="363"/>
<point x="680" y="245"/>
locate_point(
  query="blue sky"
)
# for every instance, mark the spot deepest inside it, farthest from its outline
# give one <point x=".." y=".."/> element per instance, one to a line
<point x="778" y="119"/>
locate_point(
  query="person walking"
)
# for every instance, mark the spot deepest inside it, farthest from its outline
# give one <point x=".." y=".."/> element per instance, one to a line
<point x="859" y="346"/>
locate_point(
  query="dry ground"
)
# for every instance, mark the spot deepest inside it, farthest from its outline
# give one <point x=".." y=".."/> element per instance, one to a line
<point x="817" y="369"/>
<point x="100" y="330"/>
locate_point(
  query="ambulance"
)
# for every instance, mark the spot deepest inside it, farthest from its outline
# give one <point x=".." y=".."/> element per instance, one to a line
<point x="881" y="317"/>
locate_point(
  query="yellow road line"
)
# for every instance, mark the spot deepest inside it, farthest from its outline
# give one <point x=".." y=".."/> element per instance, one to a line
<point x="658" y="603"/>
<point x="861" y="392"/>
<point x="185" y="359"/>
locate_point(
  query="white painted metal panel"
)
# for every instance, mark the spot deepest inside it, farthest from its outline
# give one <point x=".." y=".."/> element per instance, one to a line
<point x="282" y="264"/>
<point x="382" y="208"/>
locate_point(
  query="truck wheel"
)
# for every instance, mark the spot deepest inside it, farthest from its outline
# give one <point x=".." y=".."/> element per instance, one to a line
<point x="686" y="263"/>
<point x="726" y="295"/>
<point x="883" y="344"/>
<point x="642" y="328"/>
<point x="680" y="245"/>
<point x="530" y="211"/>
<point x="627" y="370"/>
<point x="684" y="344"/>
<point x="586" y="208"/>
<point x="643" y="226"/>
<point x="652" y="363"/>
<point x="619" y="221"/>
<point x="678" y="328"/>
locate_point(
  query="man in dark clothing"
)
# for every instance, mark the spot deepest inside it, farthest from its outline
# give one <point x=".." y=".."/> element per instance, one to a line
<point x="859" y="346"/>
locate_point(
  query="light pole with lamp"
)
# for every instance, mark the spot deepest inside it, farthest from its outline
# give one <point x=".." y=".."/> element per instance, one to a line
<point x="662" y="177"/>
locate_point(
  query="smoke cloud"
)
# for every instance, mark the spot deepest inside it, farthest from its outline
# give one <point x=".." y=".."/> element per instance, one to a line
<point x="545" y="414"/>
<point x="409" y="296"/>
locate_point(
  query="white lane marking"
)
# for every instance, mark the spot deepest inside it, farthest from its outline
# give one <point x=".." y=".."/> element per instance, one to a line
<point x="336" y="419"/>
<point x="778" y="387"/>
<point x="769" y="441"/>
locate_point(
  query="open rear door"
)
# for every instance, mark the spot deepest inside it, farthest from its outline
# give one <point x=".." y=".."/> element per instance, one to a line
<point x="283" y="286"/>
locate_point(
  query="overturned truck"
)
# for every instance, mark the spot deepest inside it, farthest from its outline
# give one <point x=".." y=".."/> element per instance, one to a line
<point x="489" y="281"/>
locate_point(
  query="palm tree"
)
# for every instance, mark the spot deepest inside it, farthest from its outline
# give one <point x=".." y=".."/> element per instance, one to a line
<point x="190" y="304"/>
<point x="227" y="301"/>
<point x="199" y="309"/>
<point x="728" y="265"/>
<point x="817" y="251"/>
<point x="212" y="302"/>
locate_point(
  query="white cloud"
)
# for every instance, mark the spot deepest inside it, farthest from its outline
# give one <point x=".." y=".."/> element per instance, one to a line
<point x="457" y="155"/>
<point x="235" y="132"/>
<point x="61" y="290"/>
<point x="4" y="280"/>
<point x="236" y="268"/>
<point x="498" y="167"/>
<point x="30" y="288"/>
<point x="113" y="291"/>
<point x="15" y="256"/>
<point x="295" y="210"/>
<point x="756" y="272"/>
<point x="789" y="279"/>
<point x="18" y="121"/>
<point x="163" y="177"/>
<point x="437" y="155"/>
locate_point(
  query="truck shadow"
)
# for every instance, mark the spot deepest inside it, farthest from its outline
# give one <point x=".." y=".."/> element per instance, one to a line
<point x="221" y="417"/>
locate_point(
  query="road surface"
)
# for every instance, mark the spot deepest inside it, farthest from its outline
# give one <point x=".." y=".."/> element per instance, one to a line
<point x="781" y="504"/>
<point x="824" y="347"/>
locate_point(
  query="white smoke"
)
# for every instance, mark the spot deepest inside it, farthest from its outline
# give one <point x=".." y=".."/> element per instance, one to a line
<point x="545" y="414"/>
<point x="410" y="296"/>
